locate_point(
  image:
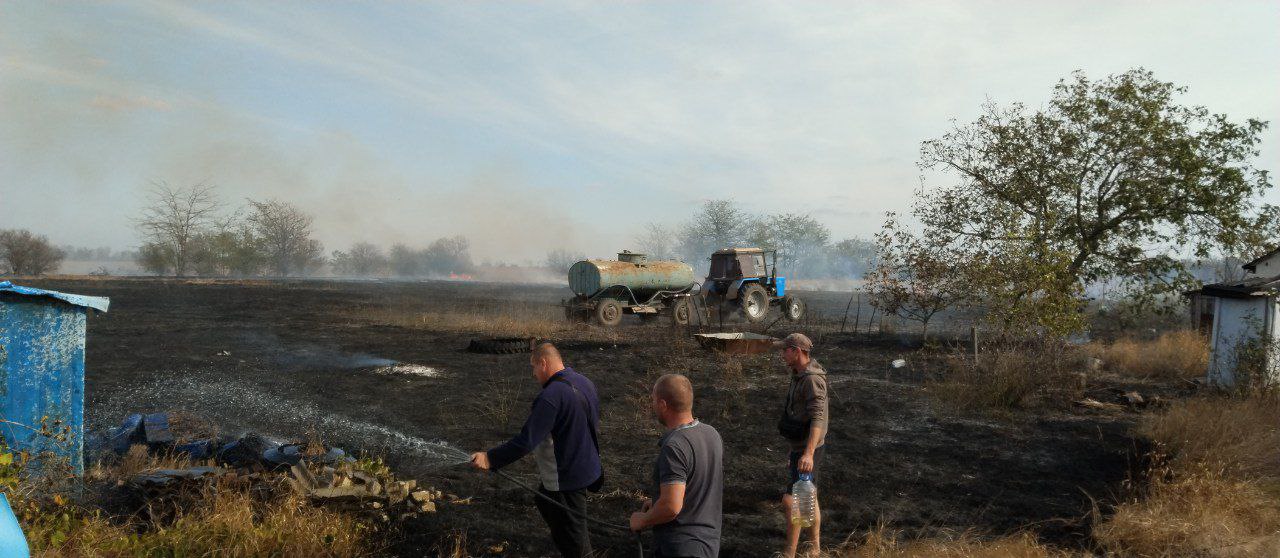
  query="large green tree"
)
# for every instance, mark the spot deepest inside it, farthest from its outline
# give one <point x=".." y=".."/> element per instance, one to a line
<point x="1114" y="179"/>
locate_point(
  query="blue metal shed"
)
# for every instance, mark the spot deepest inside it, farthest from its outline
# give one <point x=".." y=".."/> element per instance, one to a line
<point x="42" y="368"/>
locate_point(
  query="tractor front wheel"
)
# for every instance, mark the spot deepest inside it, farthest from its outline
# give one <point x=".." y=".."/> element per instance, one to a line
<point x="609" y="312"/>
<point x="792" y="308"/>
<point x="755" y="303"/>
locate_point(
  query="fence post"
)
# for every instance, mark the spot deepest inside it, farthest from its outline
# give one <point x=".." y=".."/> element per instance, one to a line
<point x="846" y="314"/>
<point x="973" y="337"/>
<point x="857" y="317"/>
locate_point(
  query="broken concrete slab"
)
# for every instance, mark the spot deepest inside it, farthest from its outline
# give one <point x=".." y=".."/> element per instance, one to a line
<point x="155" y="428"/>
<point x="164" y="477"/>
<point x="128" y="434"/>
<point x="245" y="452"/>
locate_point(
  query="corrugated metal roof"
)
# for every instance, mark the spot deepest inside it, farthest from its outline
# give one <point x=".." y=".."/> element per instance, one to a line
<point x="1245" y="288"/>
<point x="96" y="302"/>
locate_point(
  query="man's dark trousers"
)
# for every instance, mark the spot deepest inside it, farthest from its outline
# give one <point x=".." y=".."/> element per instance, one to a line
<point x="568" y="530"/>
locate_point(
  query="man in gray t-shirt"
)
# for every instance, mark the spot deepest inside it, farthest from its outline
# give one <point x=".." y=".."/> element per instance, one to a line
<point x="684" y="508"/>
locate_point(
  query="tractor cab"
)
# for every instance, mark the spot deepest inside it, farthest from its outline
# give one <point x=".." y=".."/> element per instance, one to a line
<point x="749" y="277"/>
<point x="731" y="264"/>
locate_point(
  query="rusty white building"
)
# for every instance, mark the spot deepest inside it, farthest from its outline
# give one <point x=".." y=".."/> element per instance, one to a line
<point x="1239" y="317"/>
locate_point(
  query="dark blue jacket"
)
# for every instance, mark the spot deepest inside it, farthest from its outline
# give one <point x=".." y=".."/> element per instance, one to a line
<point x="561" y="431"/>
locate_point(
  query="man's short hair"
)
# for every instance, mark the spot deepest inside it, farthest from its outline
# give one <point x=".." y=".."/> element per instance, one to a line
<point x="545" y="351"/>
<point x="676" y="390"/>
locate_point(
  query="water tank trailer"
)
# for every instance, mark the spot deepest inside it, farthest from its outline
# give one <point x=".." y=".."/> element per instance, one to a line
<point x="604" y="290"/>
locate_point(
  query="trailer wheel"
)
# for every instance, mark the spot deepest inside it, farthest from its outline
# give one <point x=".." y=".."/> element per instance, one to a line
<point x="755" y="303"/>
<point x="609" y="312"/>
<point x="680" y="311"/>
<point x="792" y="308"/>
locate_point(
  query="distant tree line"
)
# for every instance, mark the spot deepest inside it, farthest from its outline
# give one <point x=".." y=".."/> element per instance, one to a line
<point x="97" y="254"/>
<point x="443" y="257"/>
<point x="189" y="231"/>
<point x="25" y="253"/>
<point x="805" y="247"/>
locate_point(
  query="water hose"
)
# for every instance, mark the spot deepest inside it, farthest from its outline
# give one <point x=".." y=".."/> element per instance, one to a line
<point x="462" y="458"/>
<point x="545" y="498"/>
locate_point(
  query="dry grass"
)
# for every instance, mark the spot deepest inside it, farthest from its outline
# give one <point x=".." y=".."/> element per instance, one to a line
<point x="1215" y="483"/>
<point x="1239" y="436"/>
<point x="227" y="523"/>
<point x="1188" y="517"/>
<point x="729" y="371"/>
<point x="1004" y="380"/>
<point x="134" y="461"/>
<point x="499" y="401"/>
<point x="455" y="546"/>
<point x="516" y="321"/>
<point x="1174" y="355"/>
<point x="882" y="542"/>
<point x="228" y="518"/>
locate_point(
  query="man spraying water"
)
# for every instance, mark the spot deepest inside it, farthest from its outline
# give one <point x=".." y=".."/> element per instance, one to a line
<point x="561" y="432"/>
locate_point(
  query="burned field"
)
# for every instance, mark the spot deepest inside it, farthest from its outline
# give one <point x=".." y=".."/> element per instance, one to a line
<point x="380" y="366"/>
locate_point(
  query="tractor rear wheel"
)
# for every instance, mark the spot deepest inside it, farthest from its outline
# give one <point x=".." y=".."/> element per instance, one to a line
<point x="608" y="312"/>
<point x="792" y="308"/>
<point x="755" y="303"/>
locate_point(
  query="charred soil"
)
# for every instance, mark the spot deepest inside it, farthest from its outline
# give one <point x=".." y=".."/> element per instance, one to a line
<point x="280" y="357"/>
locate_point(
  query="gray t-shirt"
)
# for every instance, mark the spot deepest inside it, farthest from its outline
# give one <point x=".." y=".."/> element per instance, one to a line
<point x="692" y="455"/>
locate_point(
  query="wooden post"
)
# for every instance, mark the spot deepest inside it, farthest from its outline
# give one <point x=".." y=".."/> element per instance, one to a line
<point x="857" y="317"/>
<point x="846" y="314"/>
<point x="973" y="336"/>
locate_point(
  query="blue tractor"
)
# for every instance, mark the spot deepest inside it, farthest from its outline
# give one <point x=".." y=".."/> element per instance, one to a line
<point x="742" y="277"/>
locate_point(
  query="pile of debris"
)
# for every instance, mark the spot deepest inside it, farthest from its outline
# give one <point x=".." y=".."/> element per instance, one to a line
<point x="324" y="475"/>
<point x="1117" y="399"/>
<point x="353" y="490"/>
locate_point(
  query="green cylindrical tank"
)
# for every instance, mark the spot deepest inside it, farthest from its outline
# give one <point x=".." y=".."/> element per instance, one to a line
<point x="644" y="277"/>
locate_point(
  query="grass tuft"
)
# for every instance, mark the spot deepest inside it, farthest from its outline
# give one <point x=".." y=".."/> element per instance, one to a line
<point x="1215" y="483"/>
<point x="1004" y="380"/>
<point x="882" y="542"/>
<point x="1239" y="436"/>
<point x="1174" y="355"/>
<point x="229" y="517"/>
<point x="1190" y="516"/>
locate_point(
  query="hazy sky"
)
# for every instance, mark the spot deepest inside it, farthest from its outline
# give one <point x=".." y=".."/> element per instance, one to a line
<point x="539" y="125"/>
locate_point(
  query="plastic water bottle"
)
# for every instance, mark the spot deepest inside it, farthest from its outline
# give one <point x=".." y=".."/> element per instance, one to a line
<point x="12" y="543"/>
<point x="804" y="501"/>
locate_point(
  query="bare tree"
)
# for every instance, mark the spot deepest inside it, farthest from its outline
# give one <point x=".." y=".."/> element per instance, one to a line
<point x="561" y="259"/>
<point x="916" y="279"/>
<point x="171" y="222"/>
<point x="284" y="234"/>
<point x="24" y="253"/>
<point x="657" y="241"/>
<point x="719" y="224"/>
